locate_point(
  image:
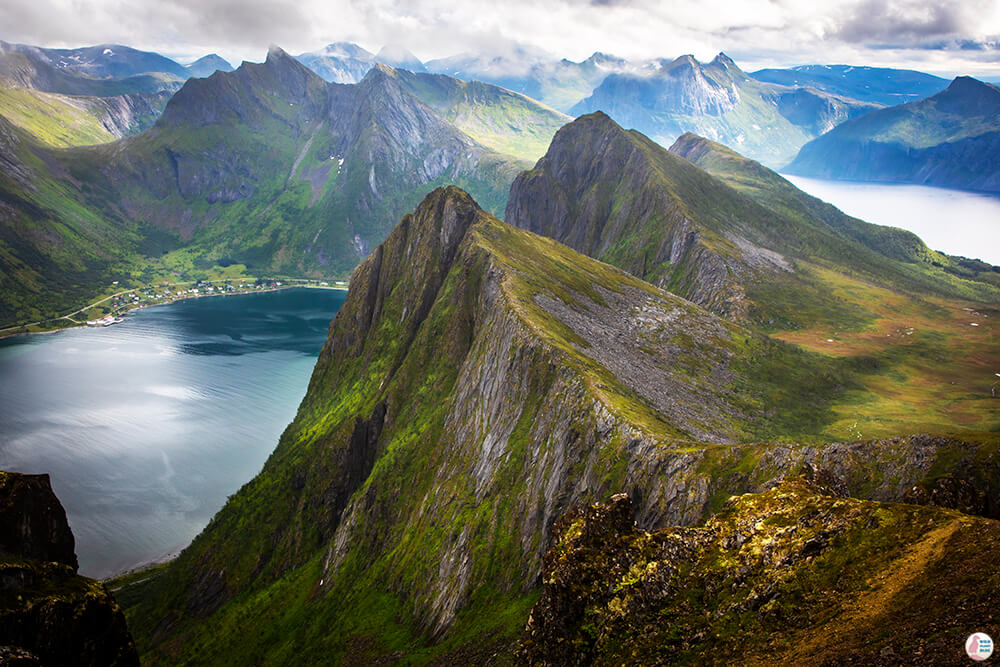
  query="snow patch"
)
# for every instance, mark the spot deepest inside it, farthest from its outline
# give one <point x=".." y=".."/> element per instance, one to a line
<point x="108" y="52"/>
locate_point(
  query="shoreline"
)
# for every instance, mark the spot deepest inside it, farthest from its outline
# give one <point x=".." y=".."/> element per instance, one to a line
<point x="78" y="325"/>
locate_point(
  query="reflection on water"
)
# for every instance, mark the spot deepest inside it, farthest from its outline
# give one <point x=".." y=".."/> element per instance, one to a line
<point x="147" y="426"/>
<point x="952" y="221"/>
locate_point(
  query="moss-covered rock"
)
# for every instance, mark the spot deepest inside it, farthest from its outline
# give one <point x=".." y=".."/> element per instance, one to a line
<point x="788" y="576"/>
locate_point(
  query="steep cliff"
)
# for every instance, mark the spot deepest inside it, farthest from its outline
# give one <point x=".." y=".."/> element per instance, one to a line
<point x="478" y="381"/>
<point x="47" y="612"/>
<point x="791" y="575"/>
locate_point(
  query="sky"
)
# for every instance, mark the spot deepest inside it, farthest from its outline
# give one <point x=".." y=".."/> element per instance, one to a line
<point x="945" y="37"/>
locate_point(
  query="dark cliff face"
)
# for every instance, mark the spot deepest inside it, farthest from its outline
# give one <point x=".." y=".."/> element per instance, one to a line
<point x="47" y="611"/>
<point x="33" y="522"/>
<point x="791" y="575"/>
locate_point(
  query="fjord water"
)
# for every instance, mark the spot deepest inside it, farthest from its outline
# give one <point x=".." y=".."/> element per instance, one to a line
<point x="951" y="221"/>
<point x="147" y="426"/>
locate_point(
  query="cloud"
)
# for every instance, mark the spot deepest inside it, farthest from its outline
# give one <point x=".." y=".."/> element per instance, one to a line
<point x="930" y="33"/>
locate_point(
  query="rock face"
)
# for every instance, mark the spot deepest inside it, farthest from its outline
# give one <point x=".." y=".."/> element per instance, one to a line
<point x="479" y="381"/>
<point x="948" y="140"/>
<point x="718" y="100"/>
<point x="48" y="613"/>
<point x="33" y="522"/>
<point x="789" y="575"/>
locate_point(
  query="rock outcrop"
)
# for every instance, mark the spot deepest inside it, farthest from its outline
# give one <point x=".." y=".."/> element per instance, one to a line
<point x="789" y="576"/>
<point x="48" y="613"/>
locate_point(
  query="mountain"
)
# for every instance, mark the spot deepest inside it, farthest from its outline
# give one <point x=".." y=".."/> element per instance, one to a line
<point x="557" y="83"/>
<point x="267" y="168"/>
<point x="104" y="61"/>
<point x="340" y="62"/>
<point x="948" y="140"/>
<point x="478" y="382"/>
<point x="24" y="67"/>
<point x="399" y="58"/>
<point x="794" y="574"/>
<point x="49" y="615"/>
<point x="751" y="247"/>
<point x="495" y="117"/>
<point x="766" y="121"/>
<point x="617" y="196"/>
<point x="54" y="250"/>
<point x="207" y="65"/>
<point x="79" y="120"/>
<point x="879" y="85"/>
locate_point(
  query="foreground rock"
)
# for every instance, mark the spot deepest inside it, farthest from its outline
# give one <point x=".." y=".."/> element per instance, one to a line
<point x="48" y="613"/>
<point x="789" y="576"/>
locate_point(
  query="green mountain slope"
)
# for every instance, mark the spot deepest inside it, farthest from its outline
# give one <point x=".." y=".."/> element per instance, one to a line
<point x="65" y="120"/>
<point x="789" y="576"/>
<point x="505" y="121"/>
<point x="478" y="381"/>
<point x="718" y="100"/>
<point x="948" y="140"/>
<point x="54" y="252"/>
<point x="765" y="253"/>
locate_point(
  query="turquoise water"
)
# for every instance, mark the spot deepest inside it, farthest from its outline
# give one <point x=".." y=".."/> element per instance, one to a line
<point x="952" y="221"/>
<point x="147" y="426"/>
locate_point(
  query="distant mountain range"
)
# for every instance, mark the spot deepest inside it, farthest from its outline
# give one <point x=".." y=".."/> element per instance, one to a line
<point x="879" y="85"/>
<point x="267" y="166"/>
<point x="767" y="122"/>
<point x="951" y="140"/>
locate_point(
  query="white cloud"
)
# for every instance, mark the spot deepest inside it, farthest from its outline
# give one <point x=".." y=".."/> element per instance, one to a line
<point x="926" y="34"/>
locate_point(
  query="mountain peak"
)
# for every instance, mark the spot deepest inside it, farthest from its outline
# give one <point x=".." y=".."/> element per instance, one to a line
<point x="397" y="56"/>
<point x="725" y="61"/>
<point x="276" y="52"/>
<point x="347" y="50"/>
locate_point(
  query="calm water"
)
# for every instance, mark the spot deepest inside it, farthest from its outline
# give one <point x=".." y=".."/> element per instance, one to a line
<point x="952" y="221"/>
<point x="147" y="426"/>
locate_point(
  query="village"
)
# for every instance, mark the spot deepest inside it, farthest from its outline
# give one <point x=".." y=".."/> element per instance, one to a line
<point x="113" y="308"/>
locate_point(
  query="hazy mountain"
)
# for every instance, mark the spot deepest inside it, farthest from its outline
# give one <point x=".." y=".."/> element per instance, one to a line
<point x="718" y="100"/>
<point x="400" y="58"/>
<point x="949" y="140"/>
<point x="104" y="61"/>
<point x="207" y="65"/>
<point x="879" y="85"/>
<point x="557" y="83"/>
<point x="26" y="69"/>
<point x="340" y="62"/>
